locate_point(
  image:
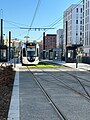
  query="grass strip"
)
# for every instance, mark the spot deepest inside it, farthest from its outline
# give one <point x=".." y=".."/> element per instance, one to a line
<point x="44" y="65"/>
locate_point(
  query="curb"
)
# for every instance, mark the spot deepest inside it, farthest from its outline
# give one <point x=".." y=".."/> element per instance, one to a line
<point x="14" y="104"/>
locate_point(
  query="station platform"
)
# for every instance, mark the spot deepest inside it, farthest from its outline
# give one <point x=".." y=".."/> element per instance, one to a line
<point x="14" y="111"/>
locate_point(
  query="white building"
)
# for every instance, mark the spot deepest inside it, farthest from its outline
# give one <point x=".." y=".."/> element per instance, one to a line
<point x="86" y="26"/>
<point x="59" y="41"/>
<point x="73" y="15"/>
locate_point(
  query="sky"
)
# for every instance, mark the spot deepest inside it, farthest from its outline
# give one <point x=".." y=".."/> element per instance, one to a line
<point x="19" y="13"/>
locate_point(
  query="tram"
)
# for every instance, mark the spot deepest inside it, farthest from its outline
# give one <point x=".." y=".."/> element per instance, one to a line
<point x="30" y="53"/>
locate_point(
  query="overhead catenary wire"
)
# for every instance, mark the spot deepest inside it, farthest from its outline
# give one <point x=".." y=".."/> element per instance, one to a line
<point x="18" y="25"/>
<point x="38" y="4"/>
<point x="15" y="24"/>
<point x="62" y="17"/>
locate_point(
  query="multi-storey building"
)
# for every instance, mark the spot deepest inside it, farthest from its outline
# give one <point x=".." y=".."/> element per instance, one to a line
<point x="50" y="41"/>
<point x="72" y="25"/>
<point x="40" y="49"/>
<point x="86" y="26"/>
<point x="59" y="42"/>
<point x="73" y="17"/>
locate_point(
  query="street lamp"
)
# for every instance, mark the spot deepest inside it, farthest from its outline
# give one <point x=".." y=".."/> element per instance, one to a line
<point x="26" y="38"/>
<point x="61" y="45"/>
<point x="77" y="58"/>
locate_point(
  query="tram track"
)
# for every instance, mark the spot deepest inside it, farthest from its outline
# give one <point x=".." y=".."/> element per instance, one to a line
<point x="64" y="99"/>
<point x="79" y="80"/>
<point x="86" y="96"/>
<point x="58" y="111"/>
<point x="69" y="71"/>
<point x="70" y="88"/>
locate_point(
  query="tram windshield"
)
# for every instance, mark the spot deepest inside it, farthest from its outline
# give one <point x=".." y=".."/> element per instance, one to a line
<point x="31" y="53"/>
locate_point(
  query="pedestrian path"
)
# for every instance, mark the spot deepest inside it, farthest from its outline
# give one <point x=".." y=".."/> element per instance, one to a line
<point x="80" y="66"/>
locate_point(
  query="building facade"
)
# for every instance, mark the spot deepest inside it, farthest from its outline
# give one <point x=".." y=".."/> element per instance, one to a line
<point x="49" y="44"/>
<point x="59" y="41"/>
<point x="73" y="17"/>
<point x="50" y="41"/>
<point x="86" y="26"/>
<point x="72" y="25"/>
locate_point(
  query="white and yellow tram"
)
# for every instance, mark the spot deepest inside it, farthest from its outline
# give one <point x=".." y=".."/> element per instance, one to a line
<point x="30" y="54"/>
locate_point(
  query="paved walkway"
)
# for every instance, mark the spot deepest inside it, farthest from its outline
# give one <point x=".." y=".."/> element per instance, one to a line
<point x="80" y="66"/>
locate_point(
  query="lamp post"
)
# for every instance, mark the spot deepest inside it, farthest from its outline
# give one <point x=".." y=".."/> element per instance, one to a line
<point x="77" y="58"/>
<point x="26" y="38"/>
<point x="61" y="46"/>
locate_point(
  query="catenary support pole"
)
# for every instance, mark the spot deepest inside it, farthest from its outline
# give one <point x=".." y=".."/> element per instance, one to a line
<point x="9" y="44"/>
<point x="2" y="32"/>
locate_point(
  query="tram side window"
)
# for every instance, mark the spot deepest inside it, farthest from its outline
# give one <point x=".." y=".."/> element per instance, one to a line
<point x="24" y="52"/>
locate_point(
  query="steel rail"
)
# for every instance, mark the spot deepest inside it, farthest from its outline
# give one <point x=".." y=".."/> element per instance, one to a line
<point x="67" y="86"/>
<point x="59" y="112"/>
<point x="80" y="84"/>
<point x="78" y="81"/>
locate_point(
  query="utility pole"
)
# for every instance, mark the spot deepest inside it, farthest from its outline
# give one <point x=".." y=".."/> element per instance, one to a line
<point x="66" y="52"/>
<point x="77" y="58"/>
<point x="9" y="44"/>
<point x="2" y="32"/>
<point x="43" y="45"/>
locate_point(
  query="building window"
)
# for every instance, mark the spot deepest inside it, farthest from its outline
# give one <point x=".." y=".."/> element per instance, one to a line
<point x="88" y="11"/>
<point x="83" y="28"/>
<point x="83" y="35"/>
<point x="76" y="21"/>
<point x="77" y="10"/>
<point x="81" y="17"/>
<point x="83" y="21"/>
<point x="83" y="7"/>
<point x="80" y="22"/>
<point x="80" y="27"/>
<point x="76" y="34"/>
<point x="80" y="33"/>
<point x="81" y="10"/>
<point x="80" y="39"/>
<point x="76" y="27"/>
<point x="88" y="4"/>
<point x="83" y="14"/>
<point x="86" y="20"/>
<point x="89" y="52"/>
<point x="76" y="16"/>
<point x="89" y="37"/>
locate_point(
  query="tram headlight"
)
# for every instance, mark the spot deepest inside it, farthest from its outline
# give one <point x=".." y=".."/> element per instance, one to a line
<point x="34" y="57"/>
<point x="28" y="58"/>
